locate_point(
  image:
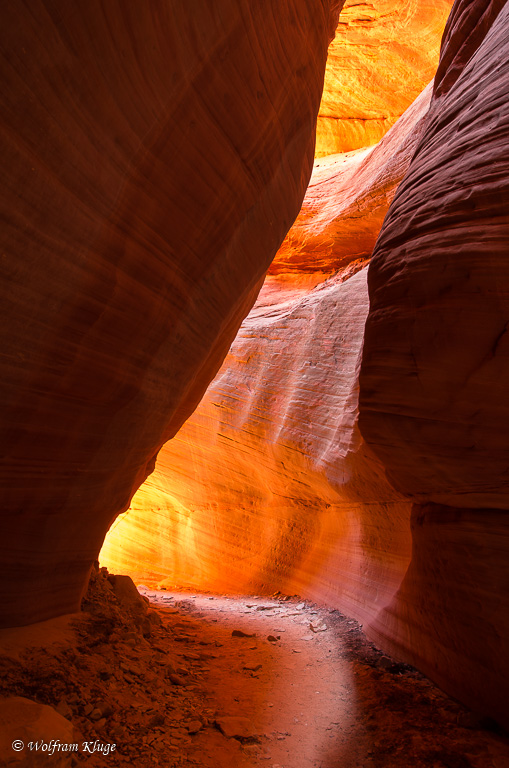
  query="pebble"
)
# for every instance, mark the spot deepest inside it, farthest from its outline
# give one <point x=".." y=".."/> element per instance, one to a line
<point x="176" y="679"/>
<point x="319" y="626"/>
<point x="236" y="727"/>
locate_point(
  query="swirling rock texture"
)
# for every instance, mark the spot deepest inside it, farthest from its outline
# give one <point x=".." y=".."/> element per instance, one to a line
<point x="383" y="56"/>
<point x="153" y="160"/>
<point x="268" y="485"/>
<point x="345" y="204"/>
<point x="435" y="369"/>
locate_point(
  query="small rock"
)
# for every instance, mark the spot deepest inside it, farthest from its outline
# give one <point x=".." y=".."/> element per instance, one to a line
<point x="319" y="626"/>
<point x="194" y="726"/>
<point x="273" y="638"/>
<point x="240" y="633"/>
<point x="236" y="728"/>
<point x="156" y="720"/>
<point x="96" y="714"/>
<point x="176" y="679"/>
<point x="252" y="667"/>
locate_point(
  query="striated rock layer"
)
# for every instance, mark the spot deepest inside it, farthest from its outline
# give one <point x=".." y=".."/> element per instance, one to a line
<point x="383" y="55"/>
<point x="268" y="485"/>
<point x="435" y="369"/>
<point x="345" y="204"/>
<point x="153" y="160"/>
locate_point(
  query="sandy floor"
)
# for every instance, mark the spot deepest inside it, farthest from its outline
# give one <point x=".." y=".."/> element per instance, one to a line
<point x="320" y="696"/>
<point x="239" y="682"/>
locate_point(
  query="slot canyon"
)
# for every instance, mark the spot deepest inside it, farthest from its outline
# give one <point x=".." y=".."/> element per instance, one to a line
<point x="255" y="375"/>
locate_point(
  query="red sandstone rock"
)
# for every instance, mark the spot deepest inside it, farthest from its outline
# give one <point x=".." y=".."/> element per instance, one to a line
<point x="435" y="369"/>
<point x="268" y="486"/>
<point x="383" y="55"/>
<point x="436" y="353"/>
<point x="25" y="723"/>
<point x="346" y="202"/>
<point x="153" y="160"/>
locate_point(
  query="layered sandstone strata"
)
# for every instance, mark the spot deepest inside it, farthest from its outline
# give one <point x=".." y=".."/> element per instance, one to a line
<point x="345" y="204"/>
<point x="436" y="360"/>
<point x="435" y="370"/>
<point x="382" y="57"/>
<point x="268" y="485"/>
<point x="153" y="160"/>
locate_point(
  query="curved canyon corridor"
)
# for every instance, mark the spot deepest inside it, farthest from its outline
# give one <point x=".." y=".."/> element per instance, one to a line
<point x="254" y="365"/>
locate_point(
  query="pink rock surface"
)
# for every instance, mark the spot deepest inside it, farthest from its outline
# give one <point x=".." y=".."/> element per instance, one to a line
<point x="346" y="202"/>
<point x="153" y="160"/>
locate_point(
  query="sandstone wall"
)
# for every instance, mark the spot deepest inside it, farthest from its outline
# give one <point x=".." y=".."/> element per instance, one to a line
<point x="384" y="54"/>
<point x="435" y="369"/>
<point x="153" y="159"/>
<point x="268" y="485"/>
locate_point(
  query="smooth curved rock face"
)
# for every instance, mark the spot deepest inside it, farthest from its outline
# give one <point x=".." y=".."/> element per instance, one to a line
<point x="382" y="57"/>
<point x="435" y="371"/>
<point x="450" y="616"/>
<point x="267" y="486"/>
<point x="154" y="159"/>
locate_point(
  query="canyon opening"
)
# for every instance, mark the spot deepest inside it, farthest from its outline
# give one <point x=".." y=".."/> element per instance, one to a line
<point x="255" y="365"/>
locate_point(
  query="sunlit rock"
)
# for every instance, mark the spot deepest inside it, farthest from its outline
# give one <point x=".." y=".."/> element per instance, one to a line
<point x="382" y="57"/>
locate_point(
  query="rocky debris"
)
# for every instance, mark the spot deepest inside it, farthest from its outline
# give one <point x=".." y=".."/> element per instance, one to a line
<point x="124" y="694"/>
<point x="317" y="626"/>
<point x="119" y="683"/>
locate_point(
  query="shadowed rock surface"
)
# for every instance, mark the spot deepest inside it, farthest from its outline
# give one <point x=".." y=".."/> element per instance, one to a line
<point x="153" y="160"/>
<point x="435" y="368"/>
